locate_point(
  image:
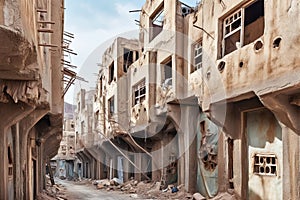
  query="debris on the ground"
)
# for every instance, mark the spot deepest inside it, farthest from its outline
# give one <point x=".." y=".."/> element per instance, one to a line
<point x="198" y="196"/>
<point x="149" y="190"/>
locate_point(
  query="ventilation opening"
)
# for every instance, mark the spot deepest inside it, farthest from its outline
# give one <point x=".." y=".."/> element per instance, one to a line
<point x="221" y="66"/>
<point x="276" y="42"/>
<point x="265" y="165"/>
<point x="258" y="45"/>
<point x="241" y="64"/>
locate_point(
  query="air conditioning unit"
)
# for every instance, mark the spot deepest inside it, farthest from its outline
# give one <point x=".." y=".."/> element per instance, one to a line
<point x="185" y="11"/>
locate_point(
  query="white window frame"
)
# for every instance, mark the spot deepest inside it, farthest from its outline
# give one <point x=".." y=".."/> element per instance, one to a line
<point x="197" y="52"/>
<point x="137" y="99"/>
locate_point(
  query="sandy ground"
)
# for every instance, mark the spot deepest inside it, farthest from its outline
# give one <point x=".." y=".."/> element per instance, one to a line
<point x="84" y="190"/>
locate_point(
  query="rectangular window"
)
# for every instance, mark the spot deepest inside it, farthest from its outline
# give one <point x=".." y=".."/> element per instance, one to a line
<point x="197" y="61"/>
<point x="127" y="58"/>
<point x="265" y="165"/>
<point x="167" y="72"/>
<point x="101" y="86"/>
<point x="111" y="73"/>
<point x="157" y="22"/>
<point x="111" y="104"/>
<point x="139" y="93"/>
<point x="243" y="27"/>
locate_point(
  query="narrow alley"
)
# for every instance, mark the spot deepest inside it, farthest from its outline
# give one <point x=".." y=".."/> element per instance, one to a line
<point x="149" y="99"/>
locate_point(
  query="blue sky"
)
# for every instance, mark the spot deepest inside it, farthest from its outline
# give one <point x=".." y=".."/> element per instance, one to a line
<point x="94" y="22"/>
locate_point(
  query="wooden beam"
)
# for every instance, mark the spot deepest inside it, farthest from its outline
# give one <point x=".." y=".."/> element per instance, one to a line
<point x="48" y="45"/>
<point x="44" y="30"/>
<point x="41" y="10"/>
<point x="46" y="22"/>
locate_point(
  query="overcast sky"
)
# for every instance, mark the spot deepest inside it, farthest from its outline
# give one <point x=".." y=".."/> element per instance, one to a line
<point x="94" y="23"/>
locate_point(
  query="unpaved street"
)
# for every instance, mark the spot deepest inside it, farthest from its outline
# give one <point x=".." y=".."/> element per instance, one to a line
<point x="82" y="190"/>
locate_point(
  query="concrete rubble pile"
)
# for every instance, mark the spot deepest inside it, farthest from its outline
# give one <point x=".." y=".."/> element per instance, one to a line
<point x="53" y="192"/>
<point x="147" y="190"/>
<point x="154" y="190"/>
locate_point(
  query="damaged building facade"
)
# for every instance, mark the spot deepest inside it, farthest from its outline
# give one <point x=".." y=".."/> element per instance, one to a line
<point x="211" y="90"/>
<point x="31" y="102"/>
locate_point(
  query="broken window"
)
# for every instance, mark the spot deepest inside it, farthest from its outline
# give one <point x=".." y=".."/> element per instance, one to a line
<point x="111" y="73"/>
<point x="243" y="27"/>
<point x="197" y="56"/>
<point x="139" y="91"/>
<point x="265" y="165"/>
<point x="111" y="104"/>
<point x="157" y="22"/>
<point x="128" y="58"/>
<point x="167" y="73"/>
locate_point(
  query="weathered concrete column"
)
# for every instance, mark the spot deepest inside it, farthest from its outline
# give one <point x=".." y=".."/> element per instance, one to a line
<point x="291" y="163"/>
<point x="3" y="166"/>
<point x="10" y="113"/>
<point x="138" y="160"/>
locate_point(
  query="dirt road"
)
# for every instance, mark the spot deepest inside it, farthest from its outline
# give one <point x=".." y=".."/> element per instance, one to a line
<point x="86" y="191"/>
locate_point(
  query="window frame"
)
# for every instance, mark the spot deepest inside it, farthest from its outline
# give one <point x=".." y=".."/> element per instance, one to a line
<point x="139" y="98"/>
<point x="199" y="65"/>
<point x="241" y="28"/>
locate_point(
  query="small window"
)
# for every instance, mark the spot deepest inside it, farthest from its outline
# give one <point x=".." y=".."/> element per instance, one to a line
<point x="243" y="27"/>
<point x="197" y="61"/>
<point x="101" y="86"/>
<point x="157" y="22"/>
<point x="139" y="93"/>
<point x="167" y="73"/>
<point x="265" y="165"/>
<point x="111" y="104"/>
<point x="10" y="161"/>
<point x="111" y="72"/>
<point x="72" y="125"/>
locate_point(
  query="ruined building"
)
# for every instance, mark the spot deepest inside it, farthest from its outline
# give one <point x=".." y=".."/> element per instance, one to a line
<point x="208" y="97"/>
<point x="31" y="102"/>
<point x="65" y="160"/>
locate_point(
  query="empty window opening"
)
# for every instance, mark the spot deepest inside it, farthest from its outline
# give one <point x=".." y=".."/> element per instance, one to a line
<point x="139" y="91"/>
<point x="111" y="72"/>
<point x="10" y="161"/>
<point x="101" y="86"/>
<point x="243" y="27"/>
<point x="197" y="57"/>
<point x="128" y="58"/>
<point x="276" y="42"/>
<point x="265" y="165"/>
<point x="111" y="104"/>
<point x="157" y="22"/>
<point x="167" y="73"/>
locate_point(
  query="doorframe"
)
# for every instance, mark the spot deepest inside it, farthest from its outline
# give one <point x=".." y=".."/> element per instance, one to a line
<point x="244" y="150"/>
